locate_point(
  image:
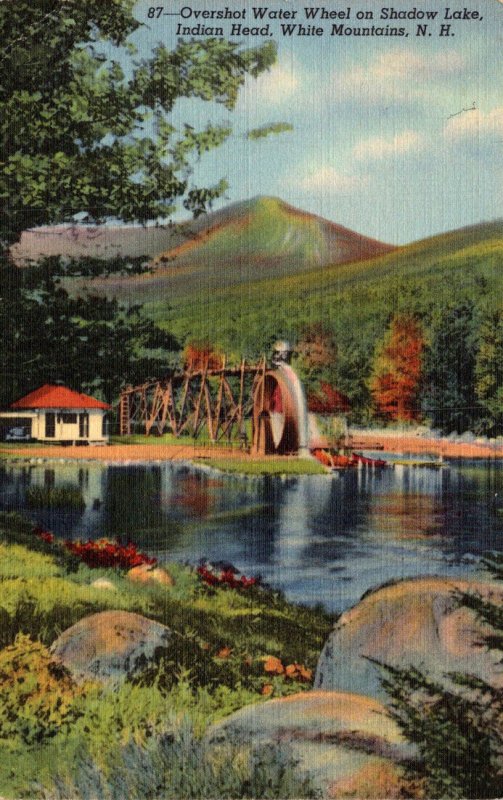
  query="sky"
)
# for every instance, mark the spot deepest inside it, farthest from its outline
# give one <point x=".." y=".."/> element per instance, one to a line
<point x="398" y="138"/>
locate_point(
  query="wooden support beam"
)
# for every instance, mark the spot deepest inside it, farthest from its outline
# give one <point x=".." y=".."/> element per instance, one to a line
<point x="186" y="400"/>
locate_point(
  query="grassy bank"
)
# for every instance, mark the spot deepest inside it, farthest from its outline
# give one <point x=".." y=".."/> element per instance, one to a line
<point x="58" y="739"/>
<point x="265" y="466"/>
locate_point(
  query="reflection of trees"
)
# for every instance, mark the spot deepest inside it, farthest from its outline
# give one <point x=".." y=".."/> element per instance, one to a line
<point x="132" y="507"/>
<point x="470" y="518"/>
<point x="333" y="517"/>
<point x="260" y="532"/>
<point x="247" y="523"/>
<point x="194" y="495"/>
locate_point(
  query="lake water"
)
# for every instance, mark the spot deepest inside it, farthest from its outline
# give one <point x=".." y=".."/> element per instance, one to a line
<point x="319" y="538"/>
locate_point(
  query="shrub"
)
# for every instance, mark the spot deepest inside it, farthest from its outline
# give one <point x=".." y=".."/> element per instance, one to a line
<point x="175" y="765"/>
<point x="136" y="743"/>
<point x="37" y="692"/>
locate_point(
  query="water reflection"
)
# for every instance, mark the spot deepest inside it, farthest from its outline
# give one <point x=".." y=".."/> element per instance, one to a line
<point x="320" y="538"/>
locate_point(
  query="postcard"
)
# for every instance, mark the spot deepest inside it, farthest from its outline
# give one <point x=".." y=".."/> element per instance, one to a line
<point x="251" y="399"/>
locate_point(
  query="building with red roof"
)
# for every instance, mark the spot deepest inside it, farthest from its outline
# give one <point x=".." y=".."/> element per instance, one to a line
<point x="54" y="413"/>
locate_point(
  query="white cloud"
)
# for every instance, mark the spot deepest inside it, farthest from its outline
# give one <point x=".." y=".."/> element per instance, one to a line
<point x="397" y="76"/>
<point x="473" y="123"/>
<point x="377" y="147"/>
<point x="271" y="88"/>
<point x="408" y="65"/>
<point x="329" y="179"/>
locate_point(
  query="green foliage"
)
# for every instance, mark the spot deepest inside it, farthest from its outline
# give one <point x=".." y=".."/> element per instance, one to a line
<point x="92" y="344"/>
<point x="489" y="371"/>
<point x="267" y="130"/>
<point x="135" y="745"/>
<point x="449" y="398"/>
<point x="82" y="133"/>
<point x="55" y="497"/>
<point x="18" y="530"/>
<point x="459" y="735"/>
<point x="85" y="267"/>
<point x="16" y="561"/>
<point x="42" y="601"/>
<point x="37" y="693"/>
<point x="75" y="130"/>
<point x="266" y="466"/>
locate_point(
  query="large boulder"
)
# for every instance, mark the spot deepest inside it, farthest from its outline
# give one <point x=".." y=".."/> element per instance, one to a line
<point x="409" y="623"/>
<point x="110" y="645"/>
<point x="147" y="573"/>
<point x="346" y="742"/>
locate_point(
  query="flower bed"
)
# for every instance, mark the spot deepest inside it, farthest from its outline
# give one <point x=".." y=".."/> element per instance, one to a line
<point x="229" y="576"/>
<point x="104" y="553"/>
<point x="101" y="553"/>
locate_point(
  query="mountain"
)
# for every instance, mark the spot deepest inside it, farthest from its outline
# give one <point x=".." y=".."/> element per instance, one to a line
<point x="103" y="241"/>
<point x="264" y="237"/>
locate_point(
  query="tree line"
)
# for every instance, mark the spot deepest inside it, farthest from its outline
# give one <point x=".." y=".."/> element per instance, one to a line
<point x="448" y="373"/>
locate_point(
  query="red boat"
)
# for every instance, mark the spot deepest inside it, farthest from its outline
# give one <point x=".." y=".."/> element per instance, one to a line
<point x="371" y="462"/>
<point x="333" y="460"/>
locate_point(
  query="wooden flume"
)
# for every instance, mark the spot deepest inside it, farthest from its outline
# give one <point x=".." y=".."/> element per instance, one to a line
<point x="218" y="399"/>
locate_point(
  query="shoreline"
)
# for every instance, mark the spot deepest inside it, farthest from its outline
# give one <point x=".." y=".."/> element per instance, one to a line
<point x="117" y="453"/>
<point x="403" y="443"/>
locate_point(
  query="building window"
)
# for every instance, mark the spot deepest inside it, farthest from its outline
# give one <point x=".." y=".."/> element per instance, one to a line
<point x="105" y="426"/>
<point x="68" y="419"/>
<point x="83" y="426"/>
<point x="50" y="424"/>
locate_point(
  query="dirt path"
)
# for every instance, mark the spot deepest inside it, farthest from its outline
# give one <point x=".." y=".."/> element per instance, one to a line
<point x="125" y="452"/>
<point x="394" y="443"/>
<point x="391" y="442"/>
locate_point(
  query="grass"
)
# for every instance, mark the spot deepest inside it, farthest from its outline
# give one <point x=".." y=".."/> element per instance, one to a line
<point x="170" y="439"/>
<point x="265" y="466"/>
<point x="410" y="462"/>
<point x="144" y="740"/>
<point x="127" y="744"/>
<point x="8" y="449"/>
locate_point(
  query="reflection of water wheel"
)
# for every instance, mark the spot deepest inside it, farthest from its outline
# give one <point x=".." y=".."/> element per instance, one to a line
<point x="275" y="416"/>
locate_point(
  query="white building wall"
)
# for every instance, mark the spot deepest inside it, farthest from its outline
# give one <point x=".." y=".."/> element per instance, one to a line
<point x="63" y="430"/>
<point x="96" y="426"/>
<point x="70" y="431"/>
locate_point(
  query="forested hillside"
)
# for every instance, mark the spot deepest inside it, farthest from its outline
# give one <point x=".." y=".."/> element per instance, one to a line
<point x="449" y="287"/>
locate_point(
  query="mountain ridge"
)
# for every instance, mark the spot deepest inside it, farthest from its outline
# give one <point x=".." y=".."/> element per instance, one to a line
<point x="260" y="237"/>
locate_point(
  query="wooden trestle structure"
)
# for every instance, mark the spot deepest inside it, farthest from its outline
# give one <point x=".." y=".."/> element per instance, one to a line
<point x="218" y="399"/>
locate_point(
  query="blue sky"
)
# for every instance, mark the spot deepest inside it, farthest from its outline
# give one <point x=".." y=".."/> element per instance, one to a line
<point x="375" y="146"/>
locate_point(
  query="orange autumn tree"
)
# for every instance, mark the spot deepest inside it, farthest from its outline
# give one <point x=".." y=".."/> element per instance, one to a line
<point x="397" y="368"/>
<point x="201" y="355"/>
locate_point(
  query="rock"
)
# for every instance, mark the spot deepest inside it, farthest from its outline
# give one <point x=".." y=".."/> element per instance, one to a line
<point x="345" y="741"/>
<point x="147" y="573"/>
<point x="412" y="622"/>
<point x="104" y="583"/>
<point x="110" y="645"/>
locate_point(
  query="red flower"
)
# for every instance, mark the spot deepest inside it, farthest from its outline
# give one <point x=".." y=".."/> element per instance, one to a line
<point x="46" y="536"/>
<point x="227" y="577"/>
<point x="105" y="554"/>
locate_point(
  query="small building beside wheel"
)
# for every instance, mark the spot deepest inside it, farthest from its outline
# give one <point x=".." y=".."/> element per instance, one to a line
<point x="56" y="414"/>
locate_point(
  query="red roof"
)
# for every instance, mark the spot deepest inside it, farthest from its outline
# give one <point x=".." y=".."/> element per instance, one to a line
<point x="49" y="396"/>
